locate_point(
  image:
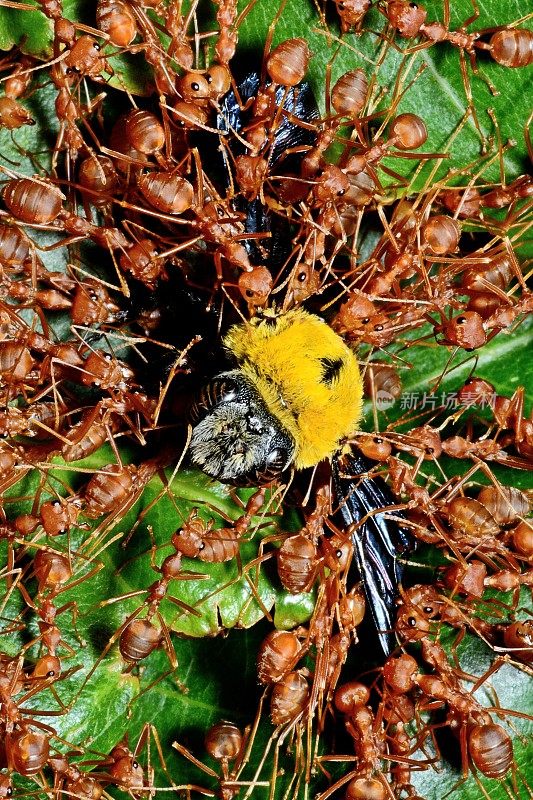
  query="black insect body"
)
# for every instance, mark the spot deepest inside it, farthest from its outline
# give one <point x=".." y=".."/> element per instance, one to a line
<point x="377" y="535"/>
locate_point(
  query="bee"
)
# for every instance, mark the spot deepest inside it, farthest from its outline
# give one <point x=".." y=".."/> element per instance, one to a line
<point x="294" y="399"/>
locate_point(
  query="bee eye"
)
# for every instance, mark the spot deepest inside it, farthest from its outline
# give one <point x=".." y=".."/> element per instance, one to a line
<point x="277" y="461"/>
<point x="224" y="390"/>
<point x="277" y="458"/>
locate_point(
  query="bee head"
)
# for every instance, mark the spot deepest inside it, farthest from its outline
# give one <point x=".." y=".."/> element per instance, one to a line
<point x="235" y="439"/>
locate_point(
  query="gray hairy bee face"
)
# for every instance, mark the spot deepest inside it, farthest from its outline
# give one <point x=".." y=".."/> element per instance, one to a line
<point x="235" y="439"/>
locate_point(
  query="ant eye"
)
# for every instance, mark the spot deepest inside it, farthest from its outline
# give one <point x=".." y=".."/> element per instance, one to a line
<point x="195" y="87"/>
<point x="366" y="320"/>
<point x="461" y="320"/>
<point x="302" y="277"/>
<point x="412" y="622"/>
<point x="97" y="47"/>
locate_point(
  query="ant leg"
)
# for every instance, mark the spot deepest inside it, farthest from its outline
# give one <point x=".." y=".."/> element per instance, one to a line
<point x="470" y="19"/>
<point x="468" y="92"/>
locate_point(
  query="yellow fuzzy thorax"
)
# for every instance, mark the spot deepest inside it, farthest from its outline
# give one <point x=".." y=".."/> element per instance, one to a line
<point x="307" y="376"/>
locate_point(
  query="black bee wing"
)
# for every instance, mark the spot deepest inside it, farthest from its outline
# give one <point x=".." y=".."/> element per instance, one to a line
<point x="231" y="115"/>
<point x="377" y="542"/>
<point x="298" y="104"/>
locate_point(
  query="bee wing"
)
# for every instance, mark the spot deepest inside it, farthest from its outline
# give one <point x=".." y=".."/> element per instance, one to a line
<point x="377" y="541"/>
<point x="231" y="116"/>
<point x="299" y="104"/>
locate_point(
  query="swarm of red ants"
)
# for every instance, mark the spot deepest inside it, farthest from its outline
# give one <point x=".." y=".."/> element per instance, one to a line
<point x="224" y="194"/>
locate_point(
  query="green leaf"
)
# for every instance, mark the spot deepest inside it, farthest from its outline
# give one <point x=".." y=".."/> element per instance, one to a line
<point x="29" y="30"/>
<point x="216" y="674"/>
